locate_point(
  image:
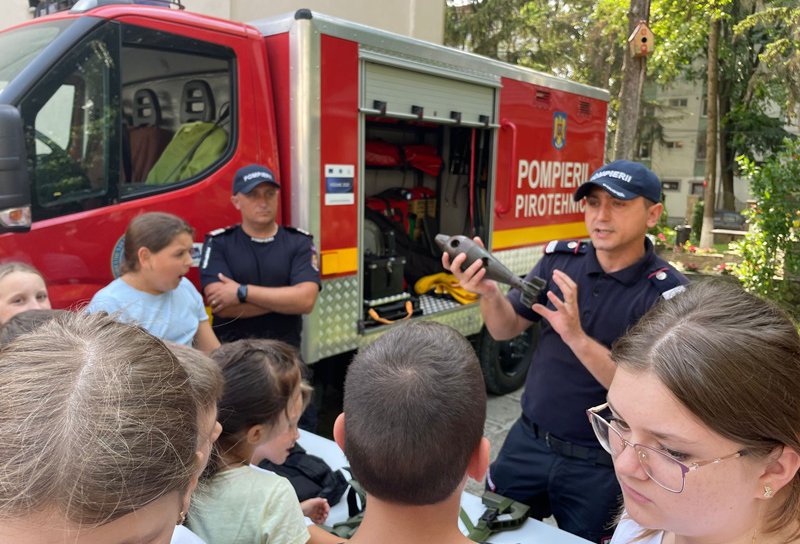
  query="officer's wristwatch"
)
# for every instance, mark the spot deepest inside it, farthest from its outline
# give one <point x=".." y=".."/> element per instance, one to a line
<point x="241" y="293"/>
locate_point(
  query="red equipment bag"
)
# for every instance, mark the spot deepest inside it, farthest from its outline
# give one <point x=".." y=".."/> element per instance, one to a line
<point x="381" y="154"/>
<point x="424" y="158"/>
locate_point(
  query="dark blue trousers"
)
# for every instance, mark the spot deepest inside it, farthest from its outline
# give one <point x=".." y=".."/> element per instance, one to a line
<point x="582" y="494"/>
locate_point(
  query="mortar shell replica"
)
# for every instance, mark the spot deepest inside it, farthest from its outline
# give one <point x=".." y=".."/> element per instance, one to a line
<point x="495" y="270"/>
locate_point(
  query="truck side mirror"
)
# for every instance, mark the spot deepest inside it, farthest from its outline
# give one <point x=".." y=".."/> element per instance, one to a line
<point x="15" y="192"/>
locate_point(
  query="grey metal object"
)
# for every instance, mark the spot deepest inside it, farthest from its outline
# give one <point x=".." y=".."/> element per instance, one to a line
<point x="494" y="270"/>
<point x="304" y="87"/>
<point x="401" y="89"/>
<point x="336" y="317"/>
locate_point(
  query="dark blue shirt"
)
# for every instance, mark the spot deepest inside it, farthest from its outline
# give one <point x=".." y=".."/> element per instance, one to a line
<point x="288" y="258"/>
<point x="559" y="388"/>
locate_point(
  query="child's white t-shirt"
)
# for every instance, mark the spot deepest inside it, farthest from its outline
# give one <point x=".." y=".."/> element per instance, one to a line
<point x="182" y="535"/>
<point x="628" y="530"/>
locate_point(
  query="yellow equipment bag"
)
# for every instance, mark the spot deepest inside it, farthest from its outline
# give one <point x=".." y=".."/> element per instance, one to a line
<point x="444" y="284"/>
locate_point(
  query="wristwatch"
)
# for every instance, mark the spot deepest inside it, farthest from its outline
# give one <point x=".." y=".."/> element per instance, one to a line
<point x="241" y="293"/>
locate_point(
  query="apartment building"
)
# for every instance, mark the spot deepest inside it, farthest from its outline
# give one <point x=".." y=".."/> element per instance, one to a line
<point x="673" y="145"/>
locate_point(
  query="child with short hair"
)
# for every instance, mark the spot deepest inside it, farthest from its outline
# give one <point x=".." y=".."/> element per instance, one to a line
<point x="412" y="430"/>
<point x="262" y="402"/>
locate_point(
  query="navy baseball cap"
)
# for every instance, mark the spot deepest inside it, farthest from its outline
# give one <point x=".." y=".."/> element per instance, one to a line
<point x="249" y="177"/>
<point x="623" y="180"/>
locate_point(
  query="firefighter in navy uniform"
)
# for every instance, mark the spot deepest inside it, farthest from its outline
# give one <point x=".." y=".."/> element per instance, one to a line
<point x="259" y="277"/>
<point x="596" y="291"/>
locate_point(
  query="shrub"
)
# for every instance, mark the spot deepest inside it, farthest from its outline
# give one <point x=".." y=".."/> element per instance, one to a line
<point x="697" y="222"/>
<point x="771" y="249"/>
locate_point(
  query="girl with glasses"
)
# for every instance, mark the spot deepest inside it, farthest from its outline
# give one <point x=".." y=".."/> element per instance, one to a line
<point x="703" y="421"/>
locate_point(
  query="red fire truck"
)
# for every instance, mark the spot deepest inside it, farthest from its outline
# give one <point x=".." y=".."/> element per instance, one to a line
<point x="113" y="109"/>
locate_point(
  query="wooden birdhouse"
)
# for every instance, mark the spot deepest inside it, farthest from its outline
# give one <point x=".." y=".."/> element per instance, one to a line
<point x="641" y="41"/>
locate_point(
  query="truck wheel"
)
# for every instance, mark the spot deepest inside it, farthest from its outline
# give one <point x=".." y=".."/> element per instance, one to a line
<point x="505" y="364"/>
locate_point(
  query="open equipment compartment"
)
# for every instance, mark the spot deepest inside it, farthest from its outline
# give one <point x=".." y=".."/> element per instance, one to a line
<point x="421" y="177"/>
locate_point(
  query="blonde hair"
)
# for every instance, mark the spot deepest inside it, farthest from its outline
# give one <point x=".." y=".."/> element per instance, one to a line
<point x="17" y="266"/>
<point x="733" y="360"/>
<point x="205" y="377"/>
<point x="97" y="420"/>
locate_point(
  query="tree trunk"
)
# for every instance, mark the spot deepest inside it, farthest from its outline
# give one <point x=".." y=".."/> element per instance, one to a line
<point x="706" y="236"/>
<point x="726" y="155"/>
<point x="630" y="92"/>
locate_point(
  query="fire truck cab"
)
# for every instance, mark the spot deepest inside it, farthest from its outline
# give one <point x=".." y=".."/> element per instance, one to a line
<point x="380" y="141"/>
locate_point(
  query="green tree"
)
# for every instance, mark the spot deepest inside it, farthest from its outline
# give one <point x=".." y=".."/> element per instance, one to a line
<point x="585" y="40"/>
<point x="759" y="79"/>
<point x="771" y="249"/>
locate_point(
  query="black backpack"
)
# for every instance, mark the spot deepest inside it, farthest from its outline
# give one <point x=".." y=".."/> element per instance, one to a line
<point x="310" y="476"/>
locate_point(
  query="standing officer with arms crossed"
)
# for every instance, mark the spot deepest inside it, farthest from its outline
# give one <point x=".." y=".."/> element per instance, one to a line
<point x="550" y="459"/>
<point x="259" y="277"/>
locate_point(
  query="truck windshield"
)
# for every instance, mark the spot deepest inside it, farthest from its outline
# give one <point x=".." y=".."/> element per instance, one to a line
<point x="18" y="47"/>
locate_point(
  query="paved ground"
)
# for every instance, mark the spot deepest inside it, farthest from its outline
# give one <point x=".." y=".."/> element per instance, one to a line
<point x="501" y="413"/>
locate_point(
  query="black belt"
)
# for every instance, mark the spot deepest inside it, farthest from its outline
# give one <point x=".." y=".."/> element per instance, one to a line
<point x="596" y="455"/>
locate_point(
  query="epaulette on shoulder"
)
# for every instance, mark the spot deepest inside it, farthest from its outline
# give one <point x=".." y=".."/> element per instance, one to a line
<point x="298" y="231"/>
<point x="574" y="247"/>
<point x="667" y="281"/>
<point x="223" y="230"/>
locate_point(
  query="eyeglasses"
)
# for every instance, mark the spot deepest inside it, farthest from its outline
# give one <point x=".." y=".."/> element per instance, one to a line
<point x="661" y="467"/>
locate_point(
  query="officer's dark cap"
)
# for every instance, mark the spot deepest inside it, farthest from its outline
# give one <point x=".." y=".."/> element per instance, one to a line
<point x="624" y="180"/>
<point x="249" y="177"/>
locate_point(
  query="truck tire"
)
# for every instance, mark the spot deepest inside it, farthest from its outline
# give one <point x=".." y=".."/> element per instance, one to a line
<point x="505" y="364"/>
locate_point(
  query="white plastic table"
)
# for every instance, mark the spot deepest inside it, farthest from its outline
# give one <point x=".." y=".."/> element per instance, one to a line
<point x="532" y="532"/>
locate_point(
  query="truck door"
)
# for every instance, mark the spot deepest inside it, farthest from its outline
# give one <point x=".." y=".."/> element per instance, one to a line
<point x="71" y="125"/>
<point x="129" y="119"/>
<point x="428" y="168"/>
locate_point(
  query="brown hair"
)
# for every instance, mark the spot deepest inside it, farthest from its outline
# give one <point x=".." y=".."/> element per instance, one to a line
<point x="17" y="266"/>
<point x="153" y="230"/>
<point x="261" y="377"/>
<point x="205" y="377"/>
<point x="96" y="418"/>
<point x="25" y="322"/>
<point x="414" y="405"/>
<point x="733" y="360"/>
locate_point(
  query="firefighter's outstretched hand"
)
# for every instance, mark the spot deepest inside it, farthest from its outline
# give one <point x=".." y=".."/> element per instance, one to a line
<point x="316" y="509"/>
<point x="221" y="294"/>
<point x="472" y="279"/>
<point x="566" y="318"/>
